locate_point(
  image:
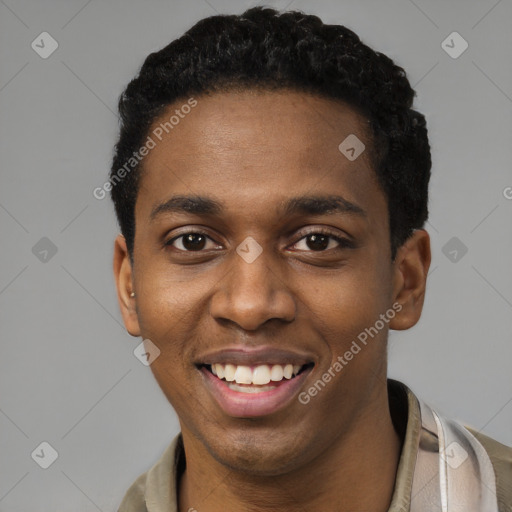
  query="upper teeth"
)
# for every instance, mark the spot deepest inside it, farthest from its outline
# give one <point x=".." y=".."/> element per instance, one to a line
<point x="260" y="375"/>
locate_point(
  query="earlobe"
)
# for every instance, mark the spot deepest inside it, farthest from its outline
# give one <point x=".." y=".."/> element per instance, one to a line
<point x="410" y="277"/>
<point x="123" y="274"/>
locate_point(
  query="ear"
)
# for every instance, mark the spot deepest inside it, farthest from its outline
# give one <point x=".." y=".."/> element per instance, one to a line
<point x="123" y="274"/>
<point x="410" y="271"/>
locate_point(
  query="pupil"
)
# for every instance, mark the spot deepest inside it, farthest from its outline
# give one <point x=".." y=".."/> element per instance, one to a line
<point x="193" y="241"/>
<point x="318" y="242"/>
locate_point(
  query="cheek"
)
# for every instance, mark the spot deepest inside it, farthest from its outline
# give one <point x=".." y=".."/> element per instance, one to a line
<point x="354" y="350"/>
<point x="166" y="318"/>
<point x="350" y="301"/>
<point x="169" y="324"/>
<point x="345" y="315"/>
<point x="169" y="303"/>
<point x="171" y="312"/>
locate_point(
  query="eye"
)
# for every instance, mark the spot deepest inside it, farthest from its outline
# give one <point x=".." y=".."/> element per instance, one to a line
<point x="317" y="241"/>
<point x="192" y="241"/>
<point x="321" y="241"/>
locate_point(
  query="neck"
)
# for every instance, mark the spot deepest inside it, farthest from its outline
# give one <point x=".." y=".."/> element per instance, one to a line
<point x="356" y="472"/>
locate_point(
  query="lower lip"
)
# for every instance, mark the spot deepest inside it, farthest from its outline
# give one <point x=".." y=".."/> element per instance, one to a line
<point x="251" y="405"/>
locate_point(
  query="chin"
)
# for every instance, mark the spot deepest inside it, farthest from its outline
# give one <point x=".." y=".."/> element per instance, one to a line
<point x="259" y="453"/>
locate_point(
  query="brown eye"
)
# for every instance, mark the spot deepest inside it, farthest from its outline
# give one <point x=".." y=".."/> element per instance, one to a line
<point x="194" y="242"/>
<point x="317" y="242"/>
<point x="189" y="242"/>
<point x="320" y="242"/>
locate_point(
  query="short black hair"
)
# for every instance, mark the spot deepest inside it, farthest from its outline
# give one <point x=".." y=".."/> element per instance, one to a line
<point x="264" y="48"/>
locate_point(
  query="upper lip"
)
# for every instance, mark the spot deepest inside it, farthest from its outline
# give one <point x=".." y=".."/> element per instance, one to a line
<point x="244" y="356"/>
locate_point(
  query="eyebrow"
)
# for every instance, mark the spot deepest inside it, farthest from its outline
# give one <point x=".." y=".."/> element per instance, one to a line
<point x="305" y="205"/>
<point x="321" y="205"/>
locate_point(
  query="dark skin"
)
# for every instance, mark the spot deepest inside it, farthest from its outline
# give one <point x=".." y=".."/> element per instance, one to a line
<point x="251" y="152"/>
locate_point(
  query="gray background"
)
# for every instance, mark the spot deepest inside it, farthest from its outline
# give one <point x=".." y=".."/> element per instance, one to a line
<point x="68" y="373"/>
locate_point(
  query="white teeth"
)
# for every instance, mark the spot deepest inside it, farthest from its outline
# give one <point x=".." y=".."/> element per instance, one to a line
<point x="288" y="371"/>
<point x="276" y="373"/>
<point x="259" y="376"/>
<point x="250" y="389"/>
<point x="220" y="371"/>
<point x="243" y="375"/>
<point x="229" y="372"/>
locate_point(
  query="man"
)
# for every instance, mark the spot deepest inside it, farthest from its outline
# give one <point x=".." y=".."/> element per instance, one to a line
<point x="271" y="184"/>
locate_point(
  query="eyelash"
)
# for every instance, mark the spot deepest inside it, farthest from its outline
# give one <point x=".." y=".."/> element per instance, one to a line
<point x="343" y="242"/>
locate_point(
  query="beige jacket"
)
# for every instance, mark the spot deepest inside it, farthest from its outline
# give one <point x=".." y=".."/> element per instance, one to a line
<point x="155" y="490"/>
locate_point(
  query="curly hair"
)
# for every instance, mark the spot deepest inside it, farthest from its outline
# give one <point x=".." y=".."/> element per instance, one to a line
<point x="263" y="48"/>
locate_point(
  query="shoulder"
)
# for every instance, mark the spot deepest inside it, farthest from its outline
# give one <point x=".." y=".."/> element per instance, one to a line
<point x="134" y="498"/>
<point x="156" y="489"/>
<point x="501" y="459"/>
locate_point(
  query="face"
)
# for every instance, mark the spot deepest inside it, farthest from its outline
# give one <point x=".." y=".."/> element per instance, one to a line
<point x="262" y="252"/>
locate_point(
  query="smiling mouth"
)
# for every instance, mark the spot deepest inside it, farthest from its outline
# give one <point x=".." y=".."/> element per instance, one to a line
<point x="255" y="379"/>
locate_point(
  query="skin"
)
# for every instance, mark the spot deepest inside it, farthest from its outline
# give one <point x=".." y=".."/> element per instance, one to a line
<point x="252" y="151"/>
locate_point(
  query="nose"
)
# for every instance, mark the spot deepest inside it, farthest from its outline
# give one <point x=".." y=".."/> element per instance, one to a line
<point x="253" y="293"/>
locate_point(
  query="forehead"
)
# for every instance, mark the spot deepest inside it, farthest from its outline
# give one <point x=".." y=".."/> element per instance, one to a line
<point x="257" y="146"/>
